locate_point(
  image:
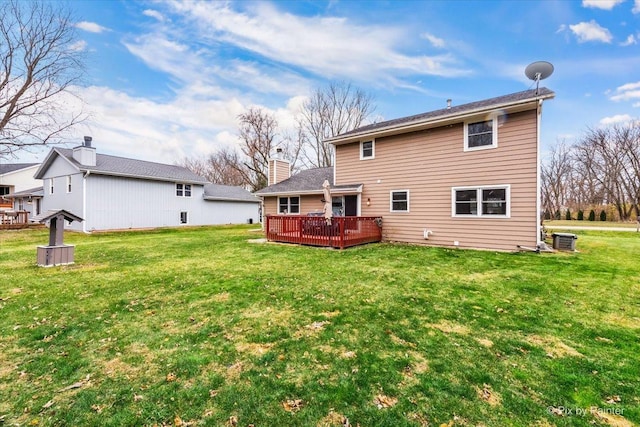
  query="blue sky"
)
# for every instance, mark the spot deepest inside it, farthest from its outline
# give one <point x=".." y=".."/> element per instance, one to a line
<point x="167" y="79"/>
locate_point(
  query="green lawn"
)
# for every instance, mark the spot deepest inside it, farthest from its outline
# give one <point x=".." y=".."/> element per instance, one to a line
<point x="197" y="326"/>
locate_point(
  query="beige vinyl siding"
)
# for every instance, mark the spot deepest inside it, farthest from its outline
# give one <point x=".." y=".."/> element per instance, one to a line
<point x="307" y="204"/>
<point x="279" y="170"/>
<point x="429" y="164"/>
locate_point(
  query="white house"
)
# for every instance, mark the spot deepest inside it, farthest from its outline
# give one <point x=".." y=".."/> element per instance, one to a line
<point x="17" y="178"/>
<point x="111" y="193"/>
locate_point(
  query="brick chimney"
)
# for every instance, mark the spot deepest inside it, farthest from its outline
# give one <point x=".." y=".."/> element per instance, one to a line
<point x="85" y="154"/>
<point x="279" y="168"/>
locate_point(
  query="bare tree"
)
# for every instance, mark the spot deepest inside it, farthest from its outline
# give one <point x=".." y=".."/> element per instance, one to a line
<point x="222" y="167"/>
<point x="336" y="109"/>
<point x="38" y="65"/>
<point x="257" y="131"/>
<point x="609" y="157"/>
<point x="555" y="177"/>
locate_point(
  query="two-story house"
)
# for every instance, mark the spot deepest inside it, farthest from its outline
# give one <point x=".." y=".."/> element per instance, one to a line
<point x="111" y="192"/>
<point x="464" y="176"/>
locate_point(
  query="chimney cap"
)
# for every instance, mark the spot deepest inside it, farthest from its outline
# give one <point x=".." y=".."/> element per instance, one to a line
<point x="87" y="141"/>
<point x="448" y="103"/>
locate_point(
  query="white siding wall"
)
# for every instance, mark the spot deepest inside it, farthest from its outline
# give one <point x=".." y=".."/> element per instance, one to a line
<point x="59" y="170"/>
<point x="219" y="212"/>
<point x="22" y="179"/>
<point x="122" y="203"/>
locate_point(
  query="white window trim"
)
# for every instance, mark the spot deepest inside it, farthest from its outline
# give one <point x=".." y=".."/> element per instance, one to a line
<point x="183" y="190"/>
<point x="479" y="189"/>
<point x="373" y="149"/>
<point x="391" y="200"/>
<point x="494" y="129"/>
<point x="50" y="185"/>
<point x="69" y="188"/>
<point x="289" y="205"/>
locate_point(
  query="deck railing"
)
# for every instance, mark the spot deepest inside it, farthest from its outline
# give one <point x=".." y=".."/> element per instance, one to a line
<point x="14" y="219"/>
<point x="344" y="231"/>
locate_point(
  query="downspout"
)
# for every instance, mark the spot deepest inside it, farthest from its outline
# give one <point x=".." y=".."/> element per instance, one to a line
<point x="538" y="173"/>
<point x="84" y="201"/>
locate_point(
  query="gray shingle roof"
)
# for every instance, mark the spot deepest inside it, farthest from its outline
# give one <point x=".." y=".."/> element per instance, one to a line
<point x="514" y="98"/>
<point x="12" y="167"/>
<point x="122" y="166"/>
<point x="305" y="181"/>
<point x="37" y="192"/>
<point x="227" y="192"/>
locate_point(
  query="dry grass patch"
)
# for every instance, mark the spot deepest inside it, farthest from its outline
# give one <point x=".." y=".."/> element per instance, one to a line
<point x="449" y="327"/>
<point x="397" y="340"/>
<point x="486" y="394"/>
<point x="485" y="342"/>
<point x="624" y="320"/>
<point x="611" y="419"/>
<point x="311" y="329"/>
<point x="553" y="346"/>
<point x="255" y="349"/>
<point x="334" y="419"/>
<point x="221" y="297"/>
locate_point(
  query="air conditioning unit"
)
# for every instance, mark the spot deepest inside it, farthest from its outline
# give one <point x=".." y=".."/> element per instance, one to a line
<point x="564" y="241"/>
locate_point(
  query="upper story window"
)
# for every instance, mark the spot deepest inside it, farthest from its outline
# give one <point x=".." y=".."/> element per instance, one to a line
<point x="367" y="150"/>
<point x="4" y="190"/>
<point x="68" y="183"/>
<point x="183" y="190"/>
<point x="289" y="205"/>
<point x="481" y="201"/>
<point x="399" y="201"/>
<point x="481" y="135"/>
<point x="50" y="185"/>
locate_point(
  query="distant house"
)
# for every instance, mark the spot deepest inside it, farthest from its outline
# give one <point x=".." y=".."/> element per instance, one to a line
<point x="112" y="193"/>
<point x="463" y="176"/>
<point x="16" y="177"/>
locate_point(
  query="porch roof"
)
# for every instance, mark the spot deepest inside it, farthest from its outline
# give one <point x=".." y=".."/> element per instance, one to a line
<point x="32" y="192"/>
<point x="308" y="182"/>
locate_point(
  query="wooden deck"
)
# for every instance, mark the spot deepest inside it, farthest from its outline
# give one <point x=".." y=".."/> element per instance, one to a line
<point x="10" y="220"/>
<point x="343" y="232"/>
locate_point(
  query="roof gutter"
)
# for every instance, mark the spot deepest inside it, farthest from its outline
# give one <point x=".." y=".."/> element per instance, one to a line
<point x="440" y="121"/>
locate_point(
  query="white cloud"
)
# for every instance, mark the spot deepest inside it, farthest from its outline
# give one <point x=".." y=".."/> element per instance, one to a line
<point x="626" y="92"/>
<point x="330" y="47"/>
<point x="636" y="7"/>
<point x="591" y="31"/>
<point x="435" y="41"/>
<point x="153" y="14"/>
<point x="79" y="46"/>
<point x="618" y="118"/>
<point x="91" y="27"/>
<point x="631" y="40"/>
<point x="601" y="4"/>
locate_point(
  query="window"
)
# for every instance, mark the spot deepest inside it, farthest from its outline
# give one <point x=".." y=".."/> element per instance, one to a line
<point x="399" y="201"/>
<point x="183" y="217"/>
<point x="289" y="205"/>
<point x="4" y="190"/>
<point x="367" y="150"/>
<point x="51" y="186"/>
<point x="68" y="183"/>
<point x="183" y="190"/>
<point x="481" y="201"/>
<point x="481" y="135"/>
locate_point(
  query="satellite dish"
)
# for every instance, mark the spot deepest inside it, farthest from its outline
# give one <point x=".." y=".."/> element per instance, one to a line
<point x="537" y="71"/>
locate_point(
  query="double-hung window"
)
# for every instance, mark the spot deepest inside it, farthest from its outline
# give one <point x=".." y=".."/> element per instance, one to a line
<point x="68" y="183"/>
<point x="183" y="190"/>
<point x="184" y="217"/>
<point x="367" y="150"/>
<point x="289" y="205"/>
<point x="399" y="201"/>
<point x="481" y="135"/>
<point x="50" y="185"/>
<point x="486" y="201"/>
